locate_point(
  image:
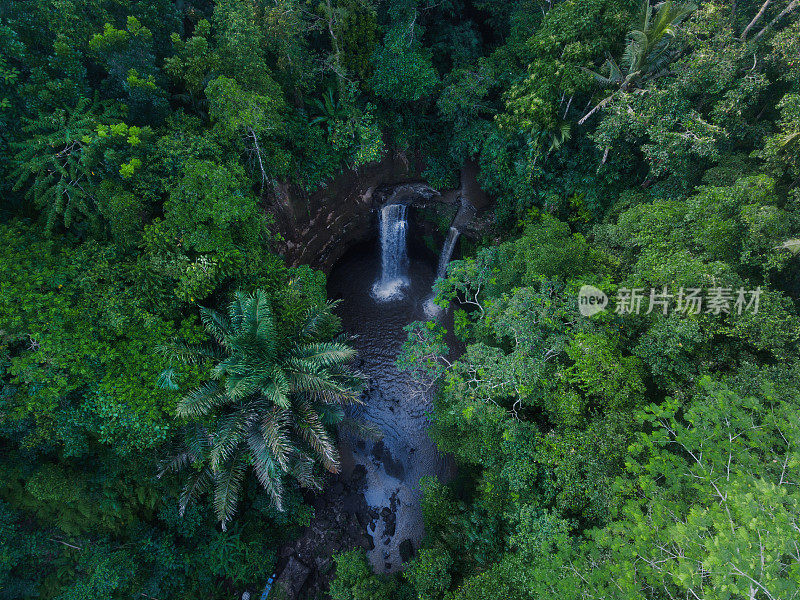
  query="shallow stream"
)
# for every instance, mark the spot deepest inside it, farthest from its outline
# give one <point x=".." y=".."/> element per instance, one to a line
<point x="394" y="403"/>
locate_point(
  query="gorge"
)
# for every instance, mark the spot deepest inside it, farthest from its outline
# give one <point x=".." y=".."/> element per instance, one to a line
<point x="383" y="284"/>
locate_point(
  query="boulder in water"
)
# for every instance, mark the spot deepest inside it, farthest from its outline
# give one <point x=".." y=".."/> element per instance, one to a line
<point x="406" y="550"/>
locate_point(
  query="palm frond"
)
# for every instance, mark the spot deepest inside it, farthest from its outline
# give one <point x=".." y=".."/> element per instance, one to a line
<point x="361" y="429"/>
<point x="198" y="442"/>
<point x="236" y="310"/>
<point x="789" y="140"/>
<point x="216" y="324"/>
<point x="239" y="387"/>
<point x="277" y="389"/>
<point x="196" y="484"/>
<point x="325" y="354"/>
<point x="792" y="245"/>
<point x="636" y="50"/>
<point x="315" y="318"/>
<point x="175" y="463"/>
<point x="302" y="469"/>
<point x="611" y="67"/>
<point x="643" y="16"/>
<point x="263" y="317"/>
<point x="282" y="399"/>
<point x="274" y="431"/>
<point x="227" y="486"/>
<point x="202" y="400"/>
<point x="326" y="387"/>
<point x="315" y="435"/>
<point x="668" y="17"/>
<point x="229" y="435"/>
<point x="166" y="380"/>
<point x="329" y="413"/>
<point x="183" y="353"/>
<point x="268" y="474"/>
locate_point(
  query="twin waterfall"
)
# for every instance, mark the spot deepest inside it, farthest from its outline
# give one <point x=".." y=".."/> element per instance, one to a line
<point x="394" y="252"/>
<point x="394" y="255"/>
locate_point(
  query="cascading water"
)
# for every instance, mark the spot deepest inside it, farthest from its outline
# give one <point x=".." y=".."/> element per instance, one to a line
<point x="447" y="252"/>
<point x="394" y="253"/>
<point x="430" y="307"/>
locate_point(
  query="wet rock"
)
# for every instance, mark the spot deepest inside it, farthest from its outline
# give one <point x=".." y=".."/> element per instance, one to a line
<point x="406" y="550"/>
<point x="352" y="503"/>
<point x="367" y="543"/>
<point x="393" y="467"/>
<point x="323" y="563"/>
<point x="359" y="473"/>
<point x="466" y="213"/>
<point x="386" y="512"/>
<point x="330" y="548"/>
<point x="404" y="193"/>
<point x="292" y="578"/>
<point x="363" y="519"/>
<point x="390" y="528"/>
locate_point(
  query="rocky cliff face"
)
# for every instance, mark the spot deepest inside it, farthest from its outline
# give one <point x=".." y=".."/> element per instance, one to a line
<point x="317" y="228"/>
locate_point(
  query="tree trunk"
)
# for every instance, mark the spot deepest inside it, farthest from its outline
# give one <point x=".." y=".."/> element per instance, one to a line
<point x="755" y="20"/>
<point x="792" y="5"/>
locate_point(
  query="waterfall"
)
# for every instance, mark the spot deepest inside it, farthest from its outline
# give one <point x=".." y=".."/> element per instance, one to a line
<point x="447" y="252"/>
<point x="394" y="254"/>
<point x="430" y="307"/>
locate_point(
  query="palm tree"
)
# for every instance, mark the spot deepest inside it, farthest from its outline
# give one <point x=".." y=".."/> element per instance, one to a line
<point x="544" y="141"/>
<point x="328" y="110"/>
<point x="271" y="402"/>
<point x="645" y="48"/>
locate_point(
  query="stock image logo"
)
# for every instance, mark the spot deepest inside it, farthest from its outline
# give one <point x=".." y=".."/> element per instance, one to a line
<point x="690" y="301"/>
<point x="591" y="300"/>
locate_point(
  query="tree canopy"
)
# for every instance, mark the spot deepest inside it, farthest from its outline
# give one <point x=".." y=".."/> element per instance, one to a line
<point x="156" y="348"/>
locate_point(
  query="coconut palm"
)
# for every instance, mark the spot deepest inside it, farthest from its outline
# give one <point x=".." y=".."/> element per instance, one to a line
<point x="271" y="402"/>
<point x="645" y="49"/>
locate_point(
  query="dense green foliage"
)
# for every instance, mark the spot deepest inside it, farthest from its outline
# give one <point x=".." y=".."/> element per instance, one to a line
<point x="625" y="145"/>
